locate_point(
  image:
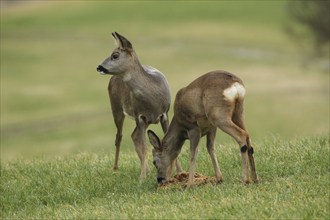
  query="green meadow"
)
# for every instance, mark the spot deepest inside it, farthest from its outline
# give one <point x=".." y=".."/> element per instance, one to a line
<point x="57" y="131"/>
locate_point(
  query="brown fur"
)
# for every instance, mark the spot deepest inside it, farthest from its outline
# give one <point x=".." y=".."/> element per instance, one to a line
<point x="199" y="109"/>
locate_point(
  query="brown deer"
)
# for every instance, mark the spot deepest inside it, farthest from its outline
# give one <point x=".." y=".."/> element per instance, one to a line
<point x="214" y="100"/>
<point x="138" y="91"/>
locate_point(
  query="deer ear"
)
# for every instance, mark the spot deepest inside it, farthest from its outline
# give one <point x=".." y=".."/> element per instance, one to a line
<point x="115" y="38"/>
<point x="154" y="140"/>
<point x="122" y="41"/>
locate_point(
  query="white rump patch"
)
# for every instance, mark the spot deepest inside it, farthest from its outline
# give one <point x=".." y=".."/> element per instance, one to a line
<point x="234" y="91"/>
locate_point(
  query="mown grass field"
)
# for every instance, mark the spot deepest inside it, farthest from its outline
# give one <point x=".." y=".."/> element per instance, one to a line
<point x="294" y="185"/>
<point x="57" y="133"/>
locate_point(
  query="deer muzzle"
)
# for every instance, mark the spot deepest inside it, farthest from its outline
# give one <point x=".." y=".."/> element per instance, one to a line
<point x="102" y="70"/>
<point x="161" y="180"/>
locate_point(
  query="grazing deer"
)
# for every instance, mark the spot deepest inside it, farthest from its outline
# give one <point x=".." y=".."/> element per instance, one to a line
<point x="138" y="91"/>
<point x="214" y="100"/>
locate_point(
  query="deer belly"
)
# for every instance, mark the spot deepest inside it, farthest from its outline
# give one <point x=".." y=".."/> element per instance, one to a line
<point x="204" y="125"/>
<point x="128" y="115"/>
<point x="148" y="118"/>
<point x="153" y="119"/>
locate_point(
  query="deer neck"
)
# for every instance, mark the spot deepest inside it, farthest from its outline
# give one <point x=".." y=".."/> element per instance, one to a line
<point x="174" y="139"/>
<point x="136" y="77"/>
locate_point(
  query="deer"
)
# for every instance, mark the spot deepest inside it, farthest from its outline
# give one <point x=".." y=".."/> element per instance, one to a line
<point x="138" y="91"/>
<point x="214" y="100"/>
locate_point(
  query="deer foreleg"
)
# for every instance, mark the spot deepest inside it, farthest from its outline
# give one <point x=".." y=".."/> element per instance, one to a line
<point x="178" y="166"/>
<point x="210" y="148"/>
<point x="194" y="136"/>
<point x="164" y="122"/>
<point x="117" y="144"/>
<point x="119" y="120"/>
<point x="139" y="139"/>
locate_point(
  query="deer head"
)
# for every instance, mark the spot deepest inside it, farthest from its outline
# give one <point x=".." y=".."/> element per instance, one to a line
<point x="121" y="60"/>
<point x="161" y="160"/>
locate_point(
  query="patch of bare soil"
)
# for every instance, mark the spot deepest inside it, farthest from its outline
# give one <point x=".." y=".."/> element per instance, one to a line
<point x="181" y="180"/>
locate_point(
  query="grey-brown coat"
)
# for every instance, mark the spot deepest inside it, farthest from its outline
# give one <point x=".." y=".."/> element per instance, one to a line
<point x="214" y="100"/>
<point x="137" y="91"/>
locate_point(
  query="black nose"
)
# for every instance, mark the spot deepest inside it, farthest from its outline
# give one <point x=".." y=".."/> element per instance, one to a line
<point x="101" y="69"/>
<point x="161" y="180"/>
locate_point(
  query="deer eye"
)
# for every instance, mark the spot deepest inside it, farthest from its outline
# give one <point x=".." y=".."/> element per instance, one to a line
<point x="114" y="56"/>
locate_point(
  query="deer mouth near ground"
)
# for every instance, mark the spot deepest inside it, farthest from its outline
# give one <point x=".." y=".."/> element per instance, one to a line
<point x="102" y="70"/>
<point x="161" y="180"/>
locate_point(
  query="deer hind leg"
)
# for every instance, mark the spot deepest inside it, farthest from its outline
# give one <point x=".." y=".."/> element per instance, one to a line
<point x="221" y="117"/>
<point x="240" y="136"/>
<point x="139" y="140"/>
<point x="210" y="148"/>
<point x="238" y="119"/>
<point x="252" y="166"/>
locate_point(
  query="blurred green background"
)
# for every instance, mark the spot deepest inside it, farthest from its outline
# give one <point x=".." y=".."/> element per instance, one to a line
<point x="54" y="103"/>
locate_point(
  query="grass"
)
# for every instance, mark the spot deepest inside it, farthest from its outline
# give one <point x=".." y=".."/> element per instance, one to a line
<point x="57" y="132"/>
<point x="294" y="185"/>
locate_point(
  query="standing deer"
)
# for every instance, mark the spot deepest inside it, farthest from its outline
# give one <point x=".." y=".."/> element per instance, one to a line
<point x="214" y="100"/>
<point x="138" y="91"/>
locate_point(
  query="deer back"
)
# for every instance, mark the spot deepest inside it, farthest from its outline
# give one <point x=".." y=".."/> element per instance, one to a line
<point x="213" y="89"/>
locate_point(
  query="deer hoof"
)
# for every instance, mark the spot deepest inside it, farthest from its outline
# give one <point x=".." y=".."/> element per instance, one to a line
<point x="246" y="182"/>
<point x="219" y="181"/>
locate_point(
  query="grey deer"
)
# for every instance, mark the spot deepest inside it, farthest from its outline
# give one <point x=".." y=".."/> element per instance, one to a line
<point x="214" y="100"/>
<point x="137" y="91"/>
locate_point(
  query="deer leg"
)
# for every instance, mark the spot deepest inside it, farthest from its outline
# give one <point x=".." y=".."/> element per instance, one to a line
<point x="178" y="166"/>
<point x="210" y="148"/>
<point x="252" y="164"/>
<point x="223" y="120"/>
<point x="119" y="121"/>
<point x="139" y="139"/>
<point x="238" y="119"/>
<point x="164" y="122"/>
<point x="194" y="136"/>
<point x="245" y="162"/>
<point x="240" y="136"/>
